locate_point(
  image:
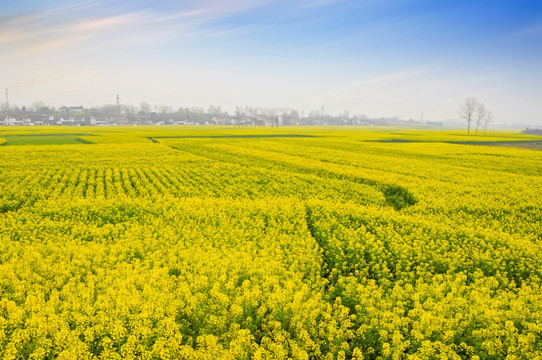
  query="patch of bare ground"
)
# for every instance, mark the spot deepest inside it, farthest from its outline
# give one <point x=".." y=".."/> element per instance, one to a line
<point x="532" y="145"/>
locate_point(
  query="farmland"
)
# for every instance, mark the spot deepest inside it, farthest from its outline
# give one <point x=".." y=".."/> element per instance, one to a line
<point x="301" y="243"/>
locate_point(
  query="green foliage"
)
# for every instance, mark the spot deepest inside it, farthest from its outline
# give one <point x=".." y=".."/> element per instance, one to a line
<point x="398" y="197"/>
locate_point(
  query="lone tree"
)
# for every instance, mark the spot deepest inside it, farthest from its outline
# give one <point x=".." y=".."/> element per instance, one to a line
<point x="467" y="111"/>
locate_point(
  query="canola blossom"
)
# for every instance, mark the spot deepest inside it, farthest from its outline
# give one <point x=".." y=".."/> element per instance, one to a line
<point x="289" y="243"/>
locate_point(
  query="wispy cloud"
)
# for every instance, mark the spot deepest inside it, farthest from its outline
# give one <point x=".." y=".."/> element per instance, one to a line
<point x="37" y="34"/>
<point x="317" y="3"/>
<point x="394" y="87"/>
<point x="391" y="78"/>
<point x="227" y="8"/>
<point x="77" y="25"/>
<point x="310" y="4"/>
<point x="234" y="31"/>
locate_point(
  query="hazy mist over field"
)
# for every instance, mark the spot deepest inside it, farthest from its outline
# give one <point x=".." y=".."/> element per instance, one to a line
<point x="379" y="58"/>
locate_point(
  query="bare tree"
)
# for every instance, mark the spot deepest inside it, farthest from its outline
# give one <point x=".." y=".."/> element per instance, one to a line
<point x="487" y="119"/>
<point x="468" y="110"/>
<point x="165" y="109"/>
<point x="145" y="108"/>
<point x="214" y="110"/>
<point x="36" y="106"/>
<point x="481" y="113"/>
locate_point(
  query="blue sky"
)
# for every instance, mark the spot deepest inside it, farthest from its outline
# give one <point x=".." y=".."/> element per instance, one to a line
<point x="373" y="57"/>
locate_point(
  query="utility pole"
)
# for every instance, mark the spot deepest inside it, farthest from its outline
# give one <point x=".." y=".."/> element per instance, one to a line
<point x="118" y="105"/>
<point x="7" y="100"/>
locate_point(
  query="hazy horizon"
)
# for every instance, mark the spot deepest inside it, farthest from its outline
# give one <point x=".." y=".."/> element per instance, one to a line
<point x="378" y="58"/>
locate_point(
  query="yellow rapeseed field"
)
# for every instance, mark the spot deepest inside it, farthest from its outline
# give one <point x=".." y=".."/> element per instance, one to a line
<point x="288" y="243"/>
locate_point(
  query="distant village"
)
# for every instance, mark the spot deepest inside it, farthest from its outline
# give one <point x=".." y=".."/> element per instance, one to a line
<point x="145" y="114"/>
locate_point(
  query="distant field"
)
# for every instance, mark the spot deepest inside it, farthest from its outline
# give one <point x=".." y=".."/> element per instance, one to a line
<point x="42" y="139"/>
<point x="258" y="243"/>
